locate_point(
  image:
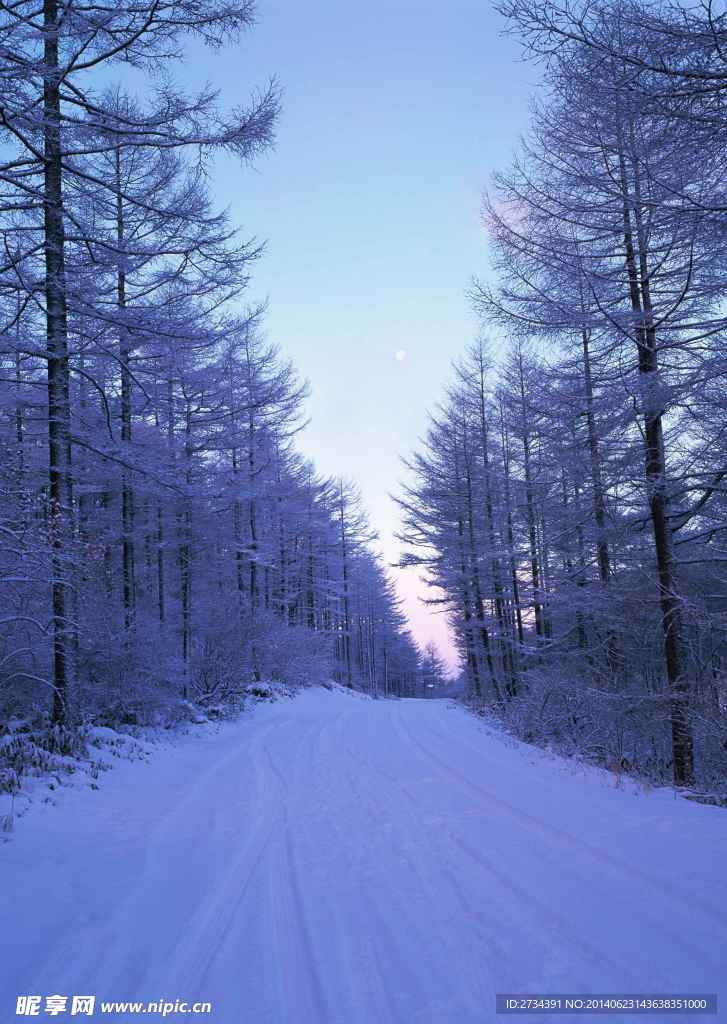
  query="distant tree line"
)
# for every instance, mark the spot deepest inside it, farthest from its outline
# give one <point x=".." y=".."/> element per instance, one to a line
<point x="160" y="535"/>
<point x="570" y="502"/>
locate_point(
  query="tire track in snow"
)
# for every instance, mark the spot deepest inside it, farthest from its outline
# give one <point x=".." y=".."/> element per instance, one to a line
<point x="286" y="873"/>
<point x="407" y="822"/>
<point x="85" y="960"/>
<point x="381" y="929"/>
<point x="211" y="925"/>
<point x="357" y="949"/>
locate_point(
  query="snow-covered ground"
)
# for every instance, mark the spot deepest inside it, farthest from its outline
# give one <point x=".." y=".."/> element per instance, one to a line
<point x="337" y="859"/>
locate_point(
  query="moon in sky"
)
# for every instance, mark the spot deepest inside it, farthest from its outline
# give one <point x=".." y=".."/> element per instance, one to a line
<point x="400" y="355"/>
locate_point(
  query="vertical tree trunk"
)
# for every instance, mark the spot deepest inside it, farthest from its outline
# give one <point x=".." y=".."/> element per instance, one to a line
<point x="475" y="576"/>
<point x="148" y="541"/>
<point x="161" y="558"/>
<point x="655" y="470"/>
<point x="310" y="591"/>
<point x="579" y="575"/>
<point x="127" y="493"/>
<point x="185" y="550"/>
<point x="19" y="427"/>
<point x="470" y="647"/>
<point x="603" y="554"/>
<point x="510" y="531"/>
<point x="237" y="533"/>
<point x="59" y="405"/>
<point x="161" y="598"/>
<point x="252" y="513"/>
<point x="542" y="534"/>
<point x="599" y="505"/>
<point x="530" y="508"/>
<point x="346" y="603"/>
<point x="508" y="647"/>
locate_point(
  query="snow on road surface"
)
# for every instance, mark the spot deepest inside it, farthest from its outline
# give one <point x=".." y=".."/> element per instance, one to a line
<point x="339" y="859"/>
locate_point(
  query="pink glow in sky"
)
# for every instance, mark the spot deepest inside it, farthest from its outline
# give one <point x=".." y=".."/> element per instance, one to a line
<point x="427" y="624"/>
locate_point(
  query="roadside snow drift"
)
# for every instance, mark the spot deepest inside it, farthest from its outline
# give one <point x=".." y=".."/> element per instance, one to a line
<point x="338" y="859"/>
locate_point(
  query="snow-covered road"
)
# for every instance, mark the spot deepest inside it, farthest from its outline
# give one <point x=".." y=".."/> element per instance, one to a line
<point x="337" y="859"/>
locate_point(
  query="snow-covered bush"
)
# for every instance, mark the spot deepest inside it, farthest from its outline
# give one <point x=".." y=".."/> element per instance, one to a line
<point x="261" y="690"/>
<point x="294" y="655"/>
<point x="38" y="748"/>
<point x="622" y="728"/>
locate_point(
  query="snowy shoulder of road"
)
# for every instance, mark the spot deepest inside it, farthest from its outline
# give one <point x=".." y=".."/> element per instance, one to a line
<point x="337" y="859"/>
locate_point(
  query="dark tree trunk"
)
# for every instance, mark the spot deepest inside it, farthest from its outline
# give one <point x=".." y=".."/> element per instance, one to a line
<point x="161" y="599"/>
<point x="127" y="493"/>
<point x="508" y="647"/>
<point x="59" y="405"/>
<point x="530" y="511"/>
<point x="510" y="531"/>
<point x="655" y="470"/>
<point x="346" y="602"/>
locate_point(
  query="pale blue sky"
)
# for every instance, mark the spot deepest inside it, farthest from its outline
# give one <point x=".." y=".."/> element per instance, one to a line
<point x="395" y="113"/>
